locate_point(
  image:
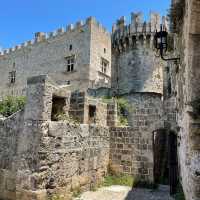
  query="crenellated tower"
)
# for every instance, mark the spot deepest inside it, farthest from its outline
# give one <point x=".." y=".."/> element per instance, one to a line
<point x="135" y="67"/>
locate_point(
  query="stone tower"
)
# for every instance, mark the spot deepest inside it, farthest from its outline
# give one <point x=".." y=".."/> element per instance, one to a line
<point x="135" y="67"/>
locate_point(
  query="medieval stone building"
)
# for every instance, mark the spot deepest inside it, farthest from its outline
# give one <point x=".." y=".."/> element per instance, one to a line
<point x="78" y="56"/>
<point x="70" y="72"/>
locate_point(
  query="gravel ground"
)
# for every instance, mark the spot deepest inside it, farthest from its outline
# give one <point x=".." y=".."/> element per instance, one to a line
<point x="125" y="193"/>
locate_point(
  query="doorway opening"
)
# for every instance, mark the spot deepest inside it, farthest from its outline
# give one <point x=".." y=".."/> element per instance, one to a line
<point x="92" y="114"/>
<point x="58" y="108"/>
<point x="165" y="158"/>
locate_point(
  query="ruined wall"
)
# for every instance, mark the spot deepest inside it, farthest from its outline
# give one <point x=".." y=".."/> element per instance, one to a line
<point x="131" y="152"/>
<point x="135" y="67"/>
<point x="46" y="54"/>
<point x="72" y="157"/>
<point x="106" y="112"/>
<point x="10" y="129"/>
<point x="40" y="158"/>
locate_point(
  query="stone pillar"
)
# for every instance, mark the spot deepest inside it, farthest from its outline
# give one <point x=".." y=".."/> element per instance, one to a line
<point x="37" y="113"/>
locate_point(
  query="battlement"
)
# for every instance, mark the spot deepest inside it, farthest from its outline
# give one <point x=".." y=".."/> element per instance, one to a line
<point x="42" y="37"/>
<point x="138" y="25"/>
<point x="125" y="35"/>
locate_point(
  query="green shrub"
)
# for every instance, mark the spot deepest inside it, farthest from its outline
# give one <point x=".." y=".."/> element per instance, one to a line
<point x="125" y="180"/>
<point x="11" y="104"/>
<point x="179" y="195"/>
<point x="64" y="117"/>
<point x="123" y="108"/>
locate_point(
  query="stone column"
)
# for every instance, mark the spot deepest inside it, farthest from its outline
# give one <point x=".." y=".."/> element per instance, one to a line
<point x="36" y="116"/>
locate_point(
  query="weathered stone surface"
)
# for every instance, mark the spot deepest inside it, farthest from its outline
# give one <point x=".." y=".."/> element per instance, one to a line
<point x="184" y="83"/>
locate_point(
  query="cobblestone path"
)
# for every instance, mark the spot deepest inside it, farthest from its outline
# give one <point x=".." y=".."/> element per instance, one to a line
<point x="125" y="193"/>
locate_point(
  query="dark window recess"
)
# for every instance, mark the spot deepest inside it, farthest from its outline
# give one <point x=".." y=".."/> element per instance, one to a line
<point x="12" y="77"/>
<point x="104" y="50"/>
<point x="58" y="105"/>
<point x="92" y="114"/>
<point x="70" y="63"/>
<point x="68" y="82"/>
<point x="70" y="47"/>
<point x="104" y="65"/>
<point x="169" y="87"/>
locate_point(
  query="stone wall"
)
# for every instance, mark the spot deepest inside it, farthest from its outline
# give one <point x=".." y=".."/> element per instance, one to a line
<point x="187" y="93"/>
<point x="145" y="111"/>
<point x="131" y="152"/>
<point x="77" y="106"/>
<point x="72" y="156"/>
<point x="40" y="157"/>
<point x="132" y="147"/>
<point x="10" y="130"/>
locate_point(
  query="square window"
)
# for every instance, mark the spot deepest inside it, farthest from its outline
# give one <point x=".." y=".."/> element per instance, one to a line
<point x="70" y="63"/>
<point x="104" y="65"/>
<point x="12" y="77"/>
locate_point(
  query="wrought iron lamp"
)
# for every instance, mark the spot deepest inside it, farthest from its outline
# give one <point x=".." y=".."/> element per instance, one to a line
<point x="161" y="44"/>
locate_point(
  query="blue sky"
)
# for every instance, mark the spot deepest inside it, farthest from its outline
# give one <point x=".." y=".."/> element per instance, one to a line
<point x="20" y="19"/>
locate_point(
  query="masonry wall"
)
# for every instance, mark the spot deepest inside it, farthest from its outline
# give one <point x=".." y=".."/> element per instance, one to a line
<point x="72" y="157"/>
<point x="40" y="158"/>
<point x="187" y="94"/>
<point x="146" y="111"/>
<point x="131" y="153"/>
<point x="10" y="129"/>
<point x="132" y="147"/>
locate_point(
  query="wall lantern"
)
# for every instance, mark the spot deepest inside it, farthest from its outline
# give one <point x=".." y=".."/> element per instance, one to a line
<point x="160" y="43"/>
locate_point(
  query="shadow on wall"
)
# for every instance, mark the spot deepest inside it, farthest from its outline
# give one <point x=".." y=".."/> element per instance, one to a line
<point x="129" y="196"/>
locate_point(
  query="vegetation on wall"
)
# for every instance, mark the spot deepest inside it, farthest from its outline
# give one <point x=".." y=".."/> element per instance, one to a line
<point x="11" y="104"/>
<point x="123" y="108"/>
<point x="65" y="117"/>
<point x="125" y="180"/>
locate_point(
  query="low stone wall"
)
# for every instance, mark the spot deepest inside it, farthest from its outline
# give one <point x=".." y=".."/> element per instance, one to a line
<point x="10" y="129"/>
<point x="72" y="156"/>
<point x="131" y="152"/>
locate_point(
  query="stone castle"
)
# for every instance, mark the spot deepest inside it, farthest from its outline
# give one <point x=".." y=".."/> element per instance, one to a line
<point x="81" y="72"/>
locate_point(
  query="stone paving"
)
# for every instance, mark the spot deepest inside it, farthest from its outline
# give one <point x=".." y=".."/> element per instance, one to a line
<point x="125" y="193"/>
